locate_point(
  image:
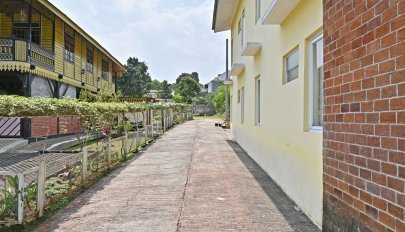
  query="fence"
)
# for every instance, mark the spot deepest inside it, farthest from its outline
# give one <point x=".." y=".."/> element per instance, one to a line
<point x="25" y="193"/>
<point x="203" y="109"/>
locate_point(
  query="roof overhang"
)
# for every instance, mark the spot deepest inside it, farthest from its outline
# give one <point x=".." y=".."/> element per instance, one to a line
<point x="224" y="11"/>
<point x="278" y="11"/>
<point x="250" y="48"/>
<point x="237" y="68"/>
<point x="72" y="24"/>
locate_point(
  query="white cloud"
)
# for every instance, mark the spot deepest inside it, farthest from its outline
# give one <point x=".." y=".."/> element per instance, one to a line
<point x="171" y="38"/>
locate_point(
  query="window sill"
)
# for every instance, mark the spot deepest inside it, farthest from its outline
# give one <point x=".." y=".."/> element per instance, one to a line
<point x="316" y="130"/>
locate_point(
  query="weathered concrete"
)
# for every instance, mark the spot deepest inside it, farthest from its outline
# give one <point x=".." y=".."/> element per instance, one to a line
<point x="192" y="179"/>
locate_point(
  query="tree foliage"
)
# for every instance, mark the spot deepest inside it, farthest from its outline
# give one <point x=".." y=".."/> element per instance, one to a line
<point x="193" y="75"/>
<point x="166" y="90"/>
<point x="188" y="88"/>
<point x="219" y="99"/>
<point x="136" y="81"/>
<point x="156" y="85"/>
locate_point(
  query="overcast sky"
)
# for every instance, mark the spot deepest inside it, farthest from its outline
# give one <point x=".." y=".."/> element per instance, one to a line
<point x="172" y="36"/>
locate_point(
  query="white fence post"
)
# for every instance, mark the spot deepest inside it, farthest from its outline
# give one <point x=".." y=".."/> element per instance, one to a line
<point x="41" y="188"/>
<point x="84" y="164"/>
<point x="126" y="143"/>
<point x="20" y="203"/>
<point x="145" y="134"/>
<point x="137" y="139"/>
<point x="153" y="137"/>
<point x="109" y="151"/>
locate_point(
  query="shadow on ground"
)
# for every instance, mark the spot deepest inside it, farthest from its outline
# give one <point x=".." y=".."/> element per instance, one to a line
<point x="296" y="219"/>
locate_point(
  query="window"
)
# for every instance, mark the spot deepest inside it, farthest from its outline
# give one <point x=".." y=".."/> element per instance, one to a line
<point x="104" y="69"/>
<point x="69" y="48"/>
<point x="316" y="82"/>
<point x="257" y="102"/>
<point x="238" y="96"/>
<point x="243" y="29"/>
<point x="242" y="105"/>
<point x="90" y="60"/>
<point x="22" y="31"/>
<point x="291" y="66"/>
<point x="258" y="9"/>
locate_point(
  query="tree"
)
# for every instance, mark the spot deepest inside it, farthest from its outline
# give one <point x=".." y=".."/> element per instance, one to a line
<point x="156" y="85"/>
<point x="136" y="81"/>
<point x="166" y="90"/>
<point x="188" y="88"/>
<point x="219" y="99"/>
<point x="193" y="75"/>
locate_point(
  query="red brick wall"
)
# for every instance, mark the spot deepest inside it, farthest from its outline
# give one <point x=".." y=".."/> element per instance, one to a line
<point x="68" y="125"/>
<point x="40" y="126"/>
<point x="364" y="129"/>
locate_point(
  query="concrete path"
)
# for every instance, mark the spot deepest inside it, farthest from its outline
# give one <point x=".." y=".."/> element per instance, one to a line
<point x="192" y="179"/>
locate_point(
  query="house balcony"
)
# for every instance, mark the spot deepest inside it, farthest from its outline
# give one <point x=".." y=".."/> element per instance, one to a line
<point x="19" y="50"/>
<point x="251" y="49"/>
<point x="237" y="69"/>
<point x="278" y="11"/>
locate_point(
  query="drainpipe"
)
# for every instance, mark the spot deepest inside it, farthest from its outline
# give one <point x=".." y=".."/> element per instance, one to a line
<point x="226" y="89"/>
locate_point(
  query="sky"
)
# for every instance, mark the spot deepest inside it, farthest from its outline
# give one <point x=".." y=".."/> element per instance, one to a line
<point x="171" y="36"/>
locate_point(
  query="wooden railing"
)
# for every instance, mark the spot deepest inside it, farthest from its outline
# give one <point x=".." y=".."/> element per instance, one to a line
<point x="12" y="49"/>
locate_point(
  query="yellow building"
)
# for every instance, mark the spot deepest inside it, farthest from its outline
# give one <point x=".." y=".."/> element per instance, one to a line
<point x="37" y="38"/>
<point x="44" y="53"/>
<point x="276" y="100"/>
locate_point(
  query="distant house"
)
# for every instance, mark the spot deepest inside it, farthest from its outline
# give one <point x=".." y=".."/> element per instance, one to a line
<point x="44" y="53"/>
<point x="212" y="86"/>
<point x="154" y="93"/>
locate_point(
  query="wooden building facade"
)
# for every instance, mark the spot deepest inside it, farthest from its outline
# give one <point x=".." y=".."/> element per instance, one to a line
<point x="44" y="53"/>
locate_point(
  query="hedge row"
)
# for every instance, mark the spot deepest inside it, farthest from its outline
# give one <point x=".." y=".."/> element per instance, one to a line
<point x="17" y="106"/>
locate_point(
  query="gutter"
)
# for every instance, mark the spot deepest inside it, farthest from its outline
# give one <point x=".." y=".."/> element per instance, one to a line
<point x="215" y="15"/>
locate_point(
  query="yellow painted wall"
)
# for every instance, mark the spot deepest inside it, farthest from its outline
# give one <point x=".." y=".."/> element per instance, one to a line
<point x="281" y="145"/>
<point x="46" y="33"/>
<point x="59" y="45"/>
<point x="78" y="56"/>
<point x="5" y="25"/>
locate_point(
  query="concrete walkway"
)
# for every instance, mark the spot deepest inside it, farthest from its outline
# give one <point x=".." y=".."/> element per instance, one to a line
<point x="192" y="179"/>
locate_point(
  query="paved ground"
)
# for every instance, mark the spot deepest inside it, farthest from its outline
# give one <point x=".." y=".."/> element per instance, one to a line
<point x="8" y="144"/>
<point x="192" y="179"/>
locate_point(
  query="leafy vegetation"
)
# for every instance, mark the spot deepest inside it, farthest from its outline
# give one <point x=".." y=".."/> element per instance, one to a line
<point x="187" y="90"/>
<point x="17" y="106"/>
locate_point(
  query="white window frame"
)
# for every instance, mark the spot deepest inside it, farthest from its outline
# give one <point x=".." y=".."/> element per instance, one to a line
<point x="257" y="100"/>
<point x="258" y="10"/>
<point x="243" y="30"/>
<point x="242" y="105"/>
<point x="312" y="128"/>
<point x="295" y="50"/>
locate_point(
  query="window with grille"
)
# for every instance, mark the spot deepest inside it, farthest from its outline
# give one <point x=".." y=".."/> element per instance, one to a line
<point x="90" y="60"/>
<point x="104" y="70"/>
<point x="69" y="48"/>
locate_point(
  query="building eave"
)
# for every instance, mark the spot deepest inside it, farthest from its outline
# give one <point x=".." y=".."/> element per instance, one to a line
<point x="224" y="11"/>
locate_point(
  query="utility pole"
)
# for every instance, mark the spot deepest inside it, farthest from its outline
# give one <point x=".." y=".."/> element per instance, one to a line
<point x="227" y="121"/>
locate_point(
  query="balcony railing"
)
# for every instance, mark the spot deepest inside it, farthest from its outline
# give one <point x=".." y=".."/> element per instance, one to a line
<point x="20" y="50"/>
